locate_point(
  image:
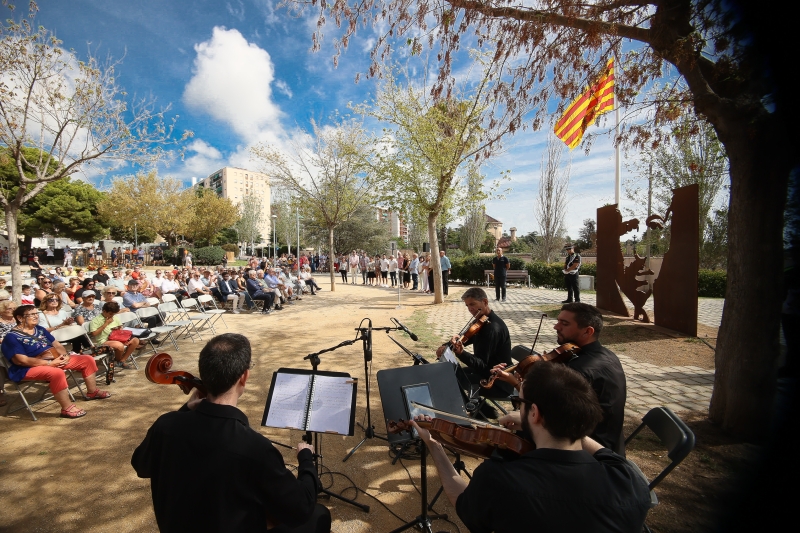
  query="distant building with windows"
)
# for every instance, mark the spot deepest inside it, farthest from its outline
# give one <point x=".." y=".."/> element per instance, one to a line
<point x="397" y="227"/>
<point x="236" y="183"/>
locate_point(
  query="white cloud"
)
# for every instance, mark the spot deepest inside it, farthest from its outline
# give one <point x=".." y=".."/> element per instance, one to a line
<point x="232" y="83"/>
<point x="204" y="149"/>
<point x="284" y="88"/>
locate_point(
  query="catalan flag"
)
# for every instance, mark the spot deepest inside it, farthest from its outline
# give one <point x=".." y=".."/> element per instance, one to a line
<point x="583" y="112"/>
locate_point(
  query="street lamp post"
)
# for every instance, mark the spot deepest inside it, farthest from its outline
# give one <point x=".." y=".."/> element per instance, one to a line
<point x="274" y="241"/>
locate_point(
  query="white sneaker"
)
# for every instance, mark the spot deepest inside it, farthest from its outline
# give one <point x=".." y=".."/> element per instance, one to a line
<point x="235" y="311"/>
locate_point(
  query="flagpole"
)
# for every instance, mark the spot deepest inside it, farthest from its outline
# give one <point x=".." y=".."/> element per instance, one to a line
<point x="616" y="163"/>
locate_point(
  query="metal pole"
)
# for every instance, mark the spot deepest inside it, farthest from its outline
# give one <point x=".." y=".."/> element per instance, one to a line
<point x="297" y="259"/>
<point x="616" y="153"/>
<point x="136" y="235"/>
<point x="649" y="210"/>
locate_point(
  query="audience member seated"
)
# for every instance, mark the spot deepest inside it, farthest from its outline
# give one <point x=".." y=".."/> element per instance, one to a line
<point x="45" y="287"/>
<point x="170" y="286"/>
<point x="87" y="287"/>
<point x="117" y="280"/>
<point x="134" y="300"/>
<point x="60" y="290"/>
<point x="288" y="284"/>
<point x="109" y="293"/>
<point x="36" y="267"/>
<point x="309" y="280"/>
<point x="229" y="290"/>
<point x="156" y="283"/>
<point x="73" y="287"/>
<point x="54" y="314"/>
<point x="7" y="323"/>
<point x="210" y="281"/>
<point x="196" y="287"/>
<point x="257" y="293"/>
<point x="101" y="276"/>
<point x="27" y="295"/>
<point x="34" y="355"/>
<point x="101" y="327"/>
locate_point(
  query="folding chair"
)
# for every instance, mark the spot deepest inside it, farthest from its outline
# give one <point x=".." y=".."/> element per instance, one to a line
<point x="63" y="335"/>
<point x="170" y="315"/>
<point x="118" y="299"/>
<point x="131" y="319"/>
<point x="145" y="312"/>
<point x="194" y="312"/>
<point x="674" y="434"/>
<point x="216" y="312"/>
<point x="153" y="301"/>
<point x="23" y="386"/>
<point x="103" y="357"/>
<point x="166" y="298"/>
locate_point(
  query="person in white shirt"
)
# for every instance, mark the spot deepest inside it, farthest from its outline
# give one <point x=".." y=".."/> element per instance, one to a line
<point x="156" y="283"/>
<point x="393" y="270"/>
<point x="353" y="261"/>
<point x="384" y="271"/>
<point x="424" y="264"/>
<point x="196" y="287"/>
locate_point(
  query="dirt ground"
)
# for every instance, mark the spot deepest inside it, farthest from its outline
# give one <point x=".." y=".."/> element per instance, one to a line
<point x="75" y="475"/>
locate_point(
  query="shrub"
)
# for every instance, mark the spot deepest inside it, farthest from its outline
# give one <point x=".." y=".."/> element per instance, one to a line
<point x="470" y="269"/>
<point x="210" y="255"/>
<point x="231" y="248"/>
<point x="711" y="283"/>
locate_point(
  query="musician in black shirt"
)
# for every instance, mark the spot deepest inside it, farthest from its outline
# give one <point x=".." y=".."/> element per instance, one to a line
<point x="492" y="346"/>
<point x="568" y="483"/>
<point x="210" y="471"/>
<point x="581" y="324"/>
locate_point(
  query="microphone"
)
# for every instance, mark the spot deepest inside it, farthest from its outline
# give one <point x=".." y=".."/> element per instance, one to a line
<point x="401" y="326"/>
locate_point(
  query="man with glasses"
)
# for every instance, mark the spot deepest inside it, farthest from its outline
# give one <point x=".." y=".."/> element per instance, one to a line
<point x="569" y="482"/>
<point x="133" y="300"/>
<point x="156" y="282"/>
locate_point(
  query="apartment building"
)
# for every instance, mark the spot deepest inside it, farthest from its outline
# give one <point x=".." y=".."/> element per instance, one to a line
<point x="237" y="183"/>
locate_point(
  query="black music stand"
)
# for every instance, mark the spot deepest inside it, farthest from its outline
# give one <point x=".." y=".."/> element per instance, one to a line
<point x="445" y="395"/>
<point x="312" y="437"/>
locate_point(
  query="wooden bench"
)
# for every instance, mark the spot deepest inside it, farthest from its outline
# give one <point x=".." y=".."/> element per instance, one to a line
<point x="511" y="275"/>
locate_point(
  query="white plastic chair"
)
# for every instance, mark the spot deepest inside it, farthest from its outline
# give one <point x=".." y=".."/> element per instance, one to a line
<point x="195" y="312"/>
<point x="145" y="312"/>
<point x="216" y="312"/>
<point x="171" y="315"/>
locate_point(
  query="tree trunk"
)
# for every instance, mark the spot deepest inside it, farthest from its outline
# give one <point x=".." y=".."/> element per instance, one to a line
<point x="13" y="252"/>
<point x="747" y="350"/>
<point x="438" y="294"/>
<point x="330" y="260"/>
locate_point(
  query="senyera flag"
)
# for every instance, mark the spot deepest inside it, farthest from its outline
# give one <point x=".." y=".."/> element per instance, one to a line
<point x="583" y="112"/>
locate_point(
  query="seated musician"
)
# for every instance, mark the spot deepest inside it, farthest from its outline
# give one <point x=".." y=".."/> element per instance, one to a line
<point x="492" y="346"/>
<point x="210" y="471"/>
<point x="580" y="324"/>
<point x="568" y="483"/>
<point x="34" y="355"/>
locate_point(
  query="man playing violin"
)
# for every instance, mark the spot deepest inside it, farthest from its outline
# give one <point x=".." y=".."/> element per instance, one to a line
<point x="581" y="324"/>
<point x="209" y="471"/>
<point x="569" y="482"/>
<point x="492" y="346"/>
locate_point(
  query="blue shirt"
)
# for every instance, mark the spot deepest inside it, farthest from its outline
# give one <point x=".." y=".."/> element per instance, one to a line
<point x="131" y="298"/>
<point x="445" y="262"/>
<point x="272" y="281"/>
<point x="16" y="342"/>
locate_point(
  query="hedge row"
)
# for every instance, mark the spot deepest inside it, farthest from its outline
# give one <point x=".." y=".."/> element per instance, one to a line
<point x="711" y="283"/>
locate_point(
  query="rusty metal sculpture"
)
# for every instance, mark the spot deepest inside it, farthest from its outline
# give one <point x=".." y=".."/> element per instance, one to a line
<point x="675" y="289"/>
<point x="610" y="264"/>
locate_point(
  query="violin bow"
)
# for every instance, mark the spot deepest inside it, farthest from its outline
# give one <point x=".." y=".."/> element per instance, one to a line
<point x="541" y="319"/>
<point x="471" y="421"/>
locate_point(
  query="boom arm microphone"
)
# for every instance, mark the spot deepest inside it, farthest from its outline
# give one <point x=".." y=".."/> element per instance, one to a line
<point x="401" y="326"/>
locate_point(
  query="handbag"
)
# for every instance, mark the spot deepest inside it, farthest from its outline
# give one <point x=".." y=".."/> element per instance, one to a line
<point x="120" y="335"/>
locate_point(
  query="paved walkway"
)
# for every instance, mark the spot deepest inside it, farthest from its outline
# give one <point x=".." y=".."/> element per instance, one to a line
<point x="680" y="388"/>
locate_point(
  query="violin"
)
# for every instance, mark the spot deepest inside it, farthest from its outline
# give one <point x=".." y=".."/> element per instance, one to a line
<point x="158" y="371"/>
<point x="470" y="330"/>
<point x="479" y="441"/>
<point x="562" y="354"/>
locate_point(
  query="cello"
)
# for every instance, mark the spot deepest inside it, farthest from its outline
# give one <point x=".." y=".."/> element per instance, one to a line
<point x="158" y="371"/>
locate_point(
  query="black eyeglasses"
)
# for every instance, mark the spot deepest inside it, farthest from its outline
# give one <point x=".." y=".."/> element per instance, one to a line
<point x="516" y="401"/>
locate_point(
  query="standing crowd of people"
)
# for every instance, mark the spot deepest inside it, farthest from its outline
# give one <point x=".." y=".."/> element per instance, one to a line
<point x="405" y="270"/>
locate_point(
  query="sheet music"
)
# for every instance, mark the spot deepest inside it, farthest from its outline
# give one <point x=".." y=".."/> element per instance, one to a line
<point x="330" y="406"/>
<point x="289" y="398"/>
<point x="449" y="356"/>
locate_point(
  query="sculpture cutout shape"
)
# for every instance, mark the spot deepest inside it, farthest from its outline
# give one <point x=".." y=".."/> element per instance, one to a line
<point x="675" y="289"/>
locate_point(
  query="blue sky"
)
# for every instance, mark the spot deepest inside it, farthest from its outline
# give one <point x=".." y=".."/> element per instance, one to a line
<point x="240" y="72"/>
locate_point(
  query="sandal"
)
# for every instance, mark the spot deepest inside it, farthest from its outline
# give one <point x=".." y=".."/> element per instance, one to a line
<point x="73" y="411"/>
<point x="98" y="395"/>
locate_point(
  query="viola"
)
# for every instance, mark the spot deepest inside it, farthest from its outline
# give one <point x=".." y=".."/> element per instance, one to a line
<point x="158" y="371"/>
<point x="479" y="441"/>
<point x="562" y="354"/>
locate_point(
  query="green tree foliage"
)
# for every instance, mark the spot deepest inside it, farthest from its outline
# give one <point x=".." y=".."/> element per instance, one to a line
<point x="328" y="174"/>
<point x="71" y="111"/>
<point x="209" y="215"/>
<point x="66" y="209"/>
<point x="587" y="236"/>
<point x="362" y="231"/>
<point x="431" y="141"/>
<point x="150" y="204"/>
